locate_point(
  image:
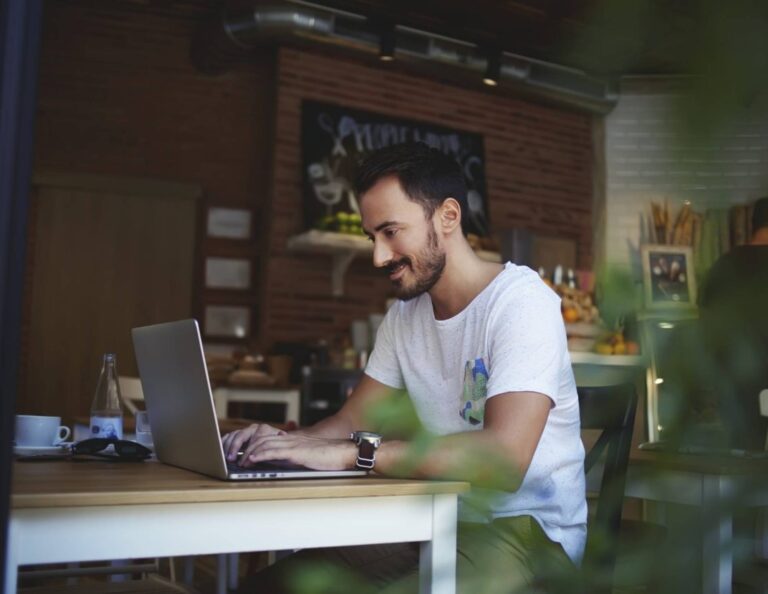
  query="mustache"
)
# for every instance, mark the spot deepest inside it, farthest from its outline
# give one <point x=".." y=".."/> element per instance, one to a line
<point x="390" y="268"/>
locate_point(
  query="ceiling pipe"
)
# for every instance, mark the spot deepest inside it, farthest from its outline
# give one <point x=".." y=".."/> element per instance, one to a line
<point x="231" y="38"/>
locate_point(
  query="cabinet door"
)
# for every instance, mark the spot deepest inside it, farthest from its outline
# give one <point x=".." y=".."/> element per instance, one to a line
<point x="104" y="255"/>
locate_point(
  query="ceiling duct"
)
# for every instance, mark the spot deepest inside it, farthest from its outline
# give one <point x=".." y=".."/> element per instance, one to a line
<point x="221" y="42"/>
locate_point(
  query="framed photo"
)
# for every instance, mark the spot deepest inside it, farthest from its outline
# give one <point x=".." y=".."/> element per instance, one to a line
<point x="227" y="273"/>
<point x="229" y="223"/>
<point x="669" y="281"/>
<point x="227" y="321"/>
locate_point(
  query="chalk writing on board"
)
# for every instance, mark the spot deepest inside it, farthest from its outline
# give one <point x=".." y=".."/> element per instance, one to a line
<point x="335" y="139"/>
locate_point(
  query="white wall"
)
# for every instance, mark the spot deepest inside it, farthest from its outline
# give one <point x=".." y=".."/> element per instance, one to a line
<point x="648" y="159"/>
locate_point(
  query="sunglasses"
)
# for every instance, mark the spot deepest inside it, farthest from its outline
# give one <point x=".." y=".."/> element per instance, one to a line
<point x="125" y="450"/>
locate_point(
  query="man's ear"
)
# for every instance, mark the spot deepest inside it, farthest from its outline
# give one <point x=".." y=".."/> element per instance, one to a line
<point x="449" y="215"/>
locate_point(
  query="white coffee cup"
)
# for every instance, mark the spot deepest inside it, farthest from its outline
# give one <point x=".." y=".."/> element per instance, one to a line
<point x="39" y="431"/>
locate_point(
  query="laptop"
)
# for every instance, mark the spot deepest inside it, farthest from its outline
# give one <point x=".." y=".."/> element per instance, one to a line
<point x="174" y="378"/>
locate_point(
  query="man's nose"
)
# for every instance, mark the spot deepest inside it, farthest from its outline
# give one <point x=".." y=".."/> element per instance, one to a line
<point x="382" y="255"/>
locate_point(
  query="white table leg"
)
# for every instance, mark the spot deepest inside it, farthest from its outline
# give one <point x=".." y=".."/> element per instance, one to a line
<point x="11" y="563"/>
<point x="717" y="553"/>
<point x="437" y="566"/>
<point x="11" y="572"/>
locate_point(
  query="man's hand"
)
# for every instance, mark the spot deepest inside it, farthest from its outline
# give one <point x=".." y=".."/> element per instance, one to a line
<point x="313" y="452"/>
<point x="235" y="441"/>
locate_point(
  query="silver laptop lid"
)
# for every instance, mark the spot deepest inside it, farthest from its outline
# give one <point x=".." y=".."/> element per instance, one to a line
<point x="174" y="378"/>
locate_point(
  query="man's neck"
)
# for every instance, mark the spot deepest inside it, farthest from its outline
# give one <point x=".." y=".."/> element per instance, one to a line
<point x="760" y="237"/>
<point x="464" y="278"/>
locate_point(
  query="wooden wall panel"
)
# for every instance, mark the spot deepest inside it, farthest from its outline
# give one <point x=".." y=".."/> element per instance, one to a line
<point x="119" y="96"/>
<point x="108" y="256"/>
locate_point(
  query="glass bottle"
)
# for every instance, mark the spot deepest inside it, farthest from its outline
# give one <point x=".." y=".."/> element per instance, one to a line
<point x="571" y="278"/>
<point x="107" y="406"/>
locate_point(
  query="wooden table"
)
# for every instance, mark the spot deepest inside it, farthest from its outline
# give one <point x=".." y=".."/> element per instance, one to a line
<point x="715" y="485"/>
<point x="65" y="511"/>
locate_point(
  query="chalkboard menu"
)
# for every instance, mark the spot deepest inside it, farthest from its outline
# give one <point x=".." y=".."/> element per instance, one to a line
<point x="334" y="141"/>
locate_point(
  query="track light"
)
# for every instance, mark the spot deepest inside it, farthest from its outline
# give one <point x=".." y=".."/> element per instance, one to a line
<point x="493" y="69"/>
<point x="387" y="43"/>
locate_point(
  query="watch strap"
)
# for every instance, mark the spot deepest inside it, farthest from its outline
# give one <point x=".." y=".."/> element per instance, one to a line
<point x="366" y="455"/>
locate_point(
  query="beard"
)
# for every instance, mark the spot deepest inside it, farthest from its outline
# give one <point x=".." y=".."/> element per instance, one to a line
<point x="426" y="274"/>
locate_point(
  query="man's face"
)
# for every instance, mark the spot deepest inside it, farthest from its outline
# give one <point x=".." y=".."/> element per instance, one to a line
<point x="406" y="244"/>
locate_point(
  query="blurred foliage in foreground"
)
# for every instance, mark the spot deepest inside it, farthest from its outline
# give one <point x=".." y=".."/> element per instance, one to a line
<point x="722" y="48"/>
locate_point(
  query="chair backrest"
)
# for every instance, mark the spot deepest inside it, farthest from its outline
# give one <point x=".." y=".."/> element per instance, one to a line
<point x="131" y="391"/>
<point x="610" y="409"/>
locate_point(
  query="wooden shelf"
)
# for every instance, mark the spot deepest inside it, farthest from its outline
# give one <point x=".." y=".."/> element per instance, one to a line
<point x="587" y="358"/>
<point x="344" y="248"/>
<point x="328" y="242"/>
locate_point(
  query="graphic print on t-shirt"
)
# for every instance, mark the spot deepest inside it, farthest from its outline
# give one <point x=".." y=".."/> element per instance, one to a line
<point x="474" y="392"/>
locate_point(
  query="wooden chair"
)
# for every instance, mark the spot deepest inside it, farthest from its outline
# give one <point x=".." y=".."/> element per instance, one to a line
<point x="132" y="393"/>
<point x="611" y="410"/>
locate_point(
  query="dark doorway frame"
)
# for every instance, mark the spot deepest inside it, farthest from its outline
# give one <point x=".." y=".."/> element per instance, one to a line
<point x="20" y="25"/>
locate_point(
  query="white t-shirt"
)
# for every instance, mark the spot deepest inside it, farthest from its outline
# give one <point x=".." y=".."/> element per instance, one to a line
<point x="510" y="338"/>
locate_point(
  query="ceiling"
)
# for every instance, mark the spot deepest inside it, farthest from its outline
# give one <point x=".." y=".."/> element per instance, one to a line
<point x="600" y="37"/>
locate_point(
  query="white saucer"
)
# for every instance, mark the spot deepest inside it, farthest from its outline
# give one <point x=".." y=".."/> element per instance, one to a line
<point x="61" y="448"/>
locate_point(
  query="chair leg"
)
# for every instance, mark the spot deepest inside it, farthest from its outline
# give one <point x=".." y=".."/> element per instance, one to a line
<point x="119" y="577"/>
<point x="189" y="570"/>
<point x="233" y="573"/>
<point x="221" y="574"/>
<point x="71" y="581"/>
<point x="761" y="534"/>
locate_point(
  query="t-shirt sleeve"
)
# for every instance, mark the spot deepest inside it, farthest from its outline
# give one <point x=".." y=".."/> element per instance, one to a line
<point x="527" y="344"/>
<point x="383" y="365"/>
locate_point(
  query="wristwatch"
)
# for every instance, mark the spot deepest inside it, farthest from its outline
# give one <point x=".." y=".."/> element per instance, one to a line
<point x="367" y="444"/>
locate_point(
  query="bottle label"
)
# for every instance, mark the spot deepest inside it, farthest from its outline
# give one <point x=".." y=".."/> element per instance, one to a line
<point x="109" y="427"/>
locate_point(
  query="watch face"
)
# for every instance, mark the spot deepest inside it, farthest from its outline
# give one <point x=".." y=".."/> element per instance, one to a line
<point x="367" y="436"/>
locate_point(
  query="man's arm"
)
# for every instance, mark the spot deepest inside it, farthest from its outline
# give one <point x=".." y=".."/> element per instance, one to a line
<point x="496" y="456"/>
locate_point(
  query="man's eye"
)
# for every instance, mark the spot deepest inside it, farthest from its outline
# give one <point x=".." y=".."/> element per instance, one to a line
<point x="390" y="232"/>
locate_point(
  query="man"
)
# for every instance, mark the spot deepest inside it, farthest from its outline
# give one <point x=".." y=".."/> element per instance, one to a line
<point x="480" y="349"/>
<point x="734" y="300"/>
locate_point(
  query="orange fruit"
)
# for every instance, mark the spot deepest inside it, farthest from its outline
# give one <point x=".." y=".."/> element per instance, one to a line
<point x="571" y="315"/>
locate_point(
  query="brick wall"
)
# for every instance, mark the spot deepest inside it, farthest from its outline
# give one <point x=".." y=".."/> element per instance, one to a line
<point x="538" y="169"/>
<point x="119" y="96"/>
<point x="647" y="159"/>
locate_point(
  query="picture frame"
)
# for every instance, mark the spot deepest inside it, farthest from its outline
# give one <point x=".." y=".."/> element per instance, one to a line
<point x="227" y="273"/>
<point x="227" y="321"/>
<point x="229" y="223"/>
<point x="669" y="280"/>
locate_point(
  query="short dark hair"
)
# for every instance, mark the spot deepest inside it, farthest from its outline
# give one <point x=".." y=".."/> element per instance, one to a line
<point x="760" y="214"/>
<point x="426" y="175"/>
